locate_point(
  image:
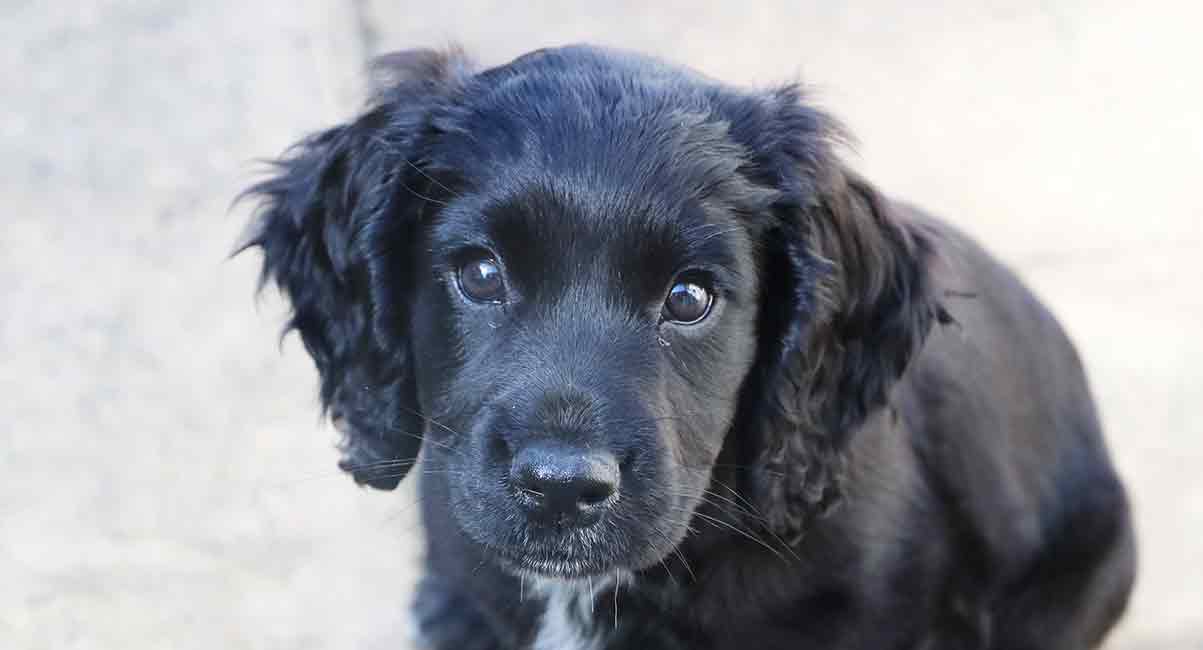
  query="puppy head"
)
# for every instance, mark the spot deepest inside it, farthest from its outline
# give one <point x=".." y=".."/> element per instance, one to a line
<point x="580" y="278"/>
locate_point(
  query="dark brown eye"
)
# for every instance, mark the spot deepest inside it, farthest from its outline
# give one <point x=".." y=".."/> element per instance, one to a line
<point x="480" y="280"/>
<point x="688" y="302"/>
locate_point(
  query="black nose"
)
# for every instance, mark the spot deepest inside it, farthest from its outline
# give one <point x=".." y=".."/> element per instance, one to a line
<point x="562" y="483"/>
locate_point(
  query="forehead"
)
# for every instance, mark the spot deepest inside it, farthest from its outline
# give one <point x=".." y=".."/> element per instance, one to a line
<point x="585" y="161"/>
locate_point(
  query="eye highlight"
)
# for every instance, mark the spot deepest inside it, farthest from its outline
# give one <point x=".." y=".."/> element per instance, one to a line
<point x="480" y="279"/>
<point x="689" y="301"/>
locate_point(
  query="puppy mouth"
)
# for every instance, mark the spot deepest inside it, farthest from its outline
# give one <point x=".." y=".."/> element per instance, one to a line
<point x="567" y="563"/>
<point x="547" y="568"/>
<point x="579" y="553"/>
<point x="572" y="559"/>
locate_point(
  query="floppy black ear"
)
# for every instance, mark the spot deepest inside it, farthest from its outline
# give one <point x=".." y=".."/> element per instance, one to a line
<point x="847" y="304"/>
<point x="880" y="295"/>
<point x="327" y="197"/>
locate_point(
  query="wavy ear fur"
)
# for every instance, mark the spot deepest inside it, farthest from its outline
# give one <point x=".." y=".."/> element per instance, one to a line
<point x="325" y="199"/>
<point x="848" y="303"/>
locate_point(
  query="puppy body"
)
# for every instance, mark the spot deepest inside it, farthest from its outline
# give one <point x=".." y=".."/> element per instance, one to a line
<point x="980" y="512"/>
<point x="873" y="436"/>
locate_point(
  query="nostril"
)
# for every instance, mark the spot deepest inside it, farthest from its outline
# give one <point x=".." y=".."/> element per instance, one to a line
<point x="594" y="492"/>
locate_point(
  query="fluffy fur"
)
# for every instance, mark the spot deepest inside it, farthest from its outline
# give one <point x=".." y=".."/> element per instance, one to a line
<point x="877" y="439"/>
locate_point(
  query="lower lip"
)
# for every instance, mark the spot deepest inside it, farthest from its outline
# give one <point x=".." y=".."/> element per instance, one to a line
<point x="544" y="569"/>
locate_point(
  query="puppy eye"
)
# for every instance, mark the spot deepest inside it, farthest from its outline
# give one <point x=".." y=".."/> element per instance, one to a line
<point x="480" y="280"/>
<point x="688" y="302"/>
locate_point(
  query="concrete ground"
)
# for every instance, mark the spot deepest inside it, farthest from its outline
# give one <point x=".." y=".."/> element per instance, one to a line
<point x="165" y="480"/>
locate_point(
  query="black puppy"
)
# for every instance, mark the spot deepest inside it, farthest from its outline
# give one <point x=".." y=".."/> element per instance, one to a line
<point x="680" y="378"/>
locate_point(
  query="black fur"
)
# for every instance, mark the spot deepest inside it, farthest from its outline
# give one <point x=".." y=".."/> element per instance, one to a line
<point x="877" y="439"/>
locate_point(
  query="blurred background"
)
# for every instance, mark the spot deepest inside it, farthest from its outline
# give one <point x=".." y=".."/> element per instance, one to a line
<point x="164" y="479"/>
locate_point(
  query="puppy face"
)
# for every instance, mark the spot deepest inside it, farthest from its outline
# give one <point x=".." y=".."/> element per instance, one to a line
<point x="581" y="330"/>
<point x="578" y="279"/>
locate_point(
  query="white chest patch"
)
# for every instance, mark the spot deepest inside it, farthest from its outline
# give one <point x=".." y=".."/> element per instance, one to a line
<point x="570" y="620"/>
<point x="560" y="630"/>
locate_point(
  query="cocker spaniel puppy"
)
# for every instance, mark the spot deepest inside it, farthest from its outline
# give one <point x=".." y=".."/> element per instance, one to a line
<point x="680" y="378"/>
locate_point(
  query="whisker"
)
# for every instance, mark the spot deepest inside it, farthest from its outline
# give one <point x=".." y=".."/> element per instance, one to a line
<point x="680" y="556"/>
<point x="423" y="196"/>
<point x="333" y="473"/>
<point x="760" y="515"/>
<point x="741" y="532"/>
<point x="706" y="494"/>
<point x="432" y="179"/>
<point x="617" y="581"/>
<point x="423" y="439"/>
<point x="736" y="494"/>
<point x="727" y="506"/>
<point x="757" y="516"/>
<point x="381" y="464"/>
<point x="431" y="420"/>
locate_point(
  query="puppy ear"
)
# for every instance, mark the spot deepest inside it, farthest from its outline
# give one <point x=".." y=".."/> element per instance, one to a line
<point x="316" y="215"/>
<point x="847" y="304"/>
<point x="880" y="300"/>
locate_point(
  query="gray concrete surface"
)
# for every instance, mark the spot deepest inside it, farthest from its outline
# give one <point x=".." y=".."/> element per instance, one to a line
<point x="164" y="481"/>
